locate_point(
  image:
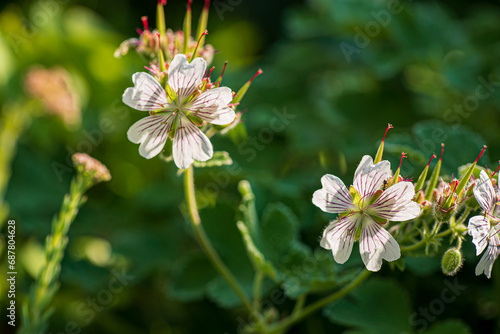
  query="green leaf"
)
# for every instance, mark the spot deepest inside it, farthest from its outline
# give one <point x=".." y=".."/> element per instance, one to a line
<point x="308" y="272"/>
<point x="220" y="158"/>
<point x="450" y="326"/>
<point x="274" y="243"/>
<point x="268" y="242"/>
<point x="376" y="307"/>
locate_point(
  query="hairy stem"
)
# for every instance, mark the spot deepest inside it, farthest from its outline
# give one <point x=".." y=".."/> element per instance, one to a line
<point x="205" y="242"/>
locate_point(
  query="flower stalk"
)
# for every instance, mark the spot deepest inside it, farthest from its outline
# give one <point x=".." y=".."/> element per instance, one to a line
<point x="205" y="243"/>
<point x="37" y="310"/>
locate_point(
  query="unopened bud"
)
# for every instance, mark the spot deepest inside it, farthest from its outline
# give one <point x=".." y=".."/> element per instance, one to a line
<point x="90" y="166"/>
<point x="451" y="262"/>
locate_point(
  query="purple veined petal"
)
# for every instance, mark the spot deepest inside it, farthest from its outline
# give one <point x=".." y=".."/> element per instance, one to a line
<point x="152" y="133"/>
<point x="396" y="203"/>
<point x="375" y="244"/>
<point x="369" y="178"/>
<point x="190" y="144"/>
<point x="212" y="106"/>
<point x="484" y="192"/>
<point x="334" y="197"/>
<point x="339" y="237"/>
<point x="365" y="162"/>
<point x="146" y="95"/>
<point x="486" y="263"/>
<point x="184" y="77"/>
<point x="479" y="229"/>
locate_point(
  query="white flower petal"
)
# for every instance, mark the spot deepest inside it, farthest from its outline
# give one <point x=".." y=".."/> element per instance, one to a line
<point x="365" y="162"/>
<point x="184" y="77"/>
<point x="479" y="228"/>
<point x="152" y="133"/>
<point x="339" y="237"/>
<point x="375" y="244"/>
<point x="396" y="203"/>
<point x="211" y="106"/>
<point x="190" y="144"/>
<point x="369" y="178"/>
<point x="334" y="197"/>
<point x="484" y="192"/>
<point x="146" y="95"/>
<point x="486" y="263"/>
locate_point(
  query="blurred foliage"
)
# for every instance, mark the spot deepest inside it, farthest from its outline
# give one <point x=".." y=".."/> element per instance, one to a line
<point x="313" y="111"/>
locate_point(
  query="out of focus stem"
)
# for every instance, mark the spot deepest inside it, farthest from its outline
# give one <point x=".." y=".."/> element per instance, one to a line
<point x="205" y="242"/>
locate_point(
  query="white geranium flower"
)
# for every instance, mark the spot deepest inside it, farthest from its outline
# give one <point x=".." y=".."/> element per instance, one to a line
<point x="176" y="110"/>
<point x="484" y="229"/>
<point x="363" y="211"/>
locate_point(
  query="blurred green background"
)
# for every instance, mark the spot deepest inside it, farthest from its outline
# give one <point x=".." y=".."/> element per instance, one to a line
<point x="335" y="73"/>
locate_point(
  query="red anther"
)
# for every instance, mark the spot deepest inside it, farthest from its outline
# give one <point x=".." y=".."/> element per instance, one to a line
<point x="162" y="2"/>
<point x="139" y="31"/>
<point x="389" y="126"/>
<point x="403" y="155"/>
<point x="189" y="5"/>
<point x="219" y="80"/>
<point x="481" y="153"/>
<point x="259" y="72"/>
<point x="210" y="72"/>
<point x="432" y="158"/>
<point x="207" y="4"/>
<point x="496" y="169"/>
<point x="442" y="151"/>
<point x="144" y="20"/>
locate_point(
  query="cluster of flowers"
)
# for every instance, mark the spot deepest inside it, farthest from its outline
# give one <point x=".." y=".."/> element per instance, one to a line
<point x="181" y="99"/>
<point x="377" y="197"/>
<point x="186" y="106"/>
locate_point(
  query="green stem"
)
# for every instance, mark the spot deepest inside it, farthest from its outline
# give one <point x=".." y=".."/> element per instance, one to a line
<point x="299" y="305"/>
<point x="464" y="216"/>
<point x="451" y="230"/>
<point x="205" y="242"/>
<point x="257" y="290"/>
<point x="294" y="318"/>
<point x="424" y="241"/>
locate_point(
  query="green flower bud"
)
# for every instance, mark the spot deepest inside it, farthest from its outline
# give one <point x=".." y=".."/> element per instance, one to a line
<point x="452" y="261"/>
